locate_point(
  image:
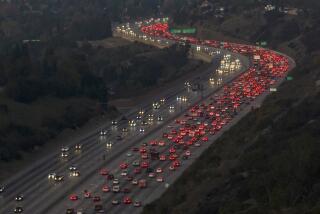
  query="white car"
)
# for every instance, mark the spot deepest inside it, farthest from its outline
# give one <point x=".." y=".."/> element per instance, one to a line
<point x="72" y="168"/>
<point x="74" y="174"/>
<point x="160" y="179"/>
<point x="19" y="198"/>
<point x="52" y="176"/>
<point x="132" y="123"/>
<point x="116" y="188"/>
<point x="141" y="130"/>
<point x="109" y="144"/>
<point x="78" y="146"/>
<point x="58" y="178"/>
<point x="103" y="132"/>
<point x="1" y="189"/>
<point x="64" y="154"/>
<point x="65" y="149"/>
<point x="115" y="181"/>
<point x="135" y="182"/>
<point x="124" y="173"/>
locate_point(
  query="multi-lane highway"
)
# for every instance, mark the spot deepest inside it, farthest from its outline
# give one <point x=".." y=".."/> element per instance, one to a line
<point x="185" y="121"/>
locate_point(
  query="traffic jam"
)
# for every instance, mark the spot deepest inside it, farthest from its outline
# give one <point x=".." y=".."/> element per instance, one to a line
<point x="153" y="161"/>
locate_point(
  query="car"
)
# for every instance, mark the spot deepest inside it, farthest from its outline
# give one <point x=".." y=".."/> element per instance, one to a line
<point x="149" y="170"/>
<point x="124" y="130"/>
<point x="172" y="168"/>
<point x="115" y="181"/>
<point x="110" y="176"/>
<point x="74" y="173"/>
<point x="73" y="197"/>
<point x="137" y="170"/>
<point x="162" y="157"/>
<point x="188" y="153"/>
<point x="114" y="123"/>
<point x="65" y="149"/>
<point x="64" y="154"/>
<point x="70" y="211"/>
<point x="134" y="182"/>
<point x="136" y="163"/>
<point x="52" y="175"/>
<point x="176" y="163"/>
<point x="78" y="147"/>
<point x="118" y="138"/>
<point x="87" y="194"/>
<point x="98" y="208"/>
<point x="116" y="189"/>
<point x="159" y="170"/>
<point x="141" y="130"/>
<point x="109" y="144"/>
<point x="115" y="202"/>
<point x="18" y="210"/>
<point x="96" y="199"/>
<point x="19" y="198"/>
<point x="80" y="211"/>
<point x="103" y="132"/>
<point x="124" y="173"/>
<point x="58" y="178"/>
<point x="132" y="123"/>
<point x="105" y="188"/>
<point x="160" y="118"/>
<point x="72" y="168"/>
<point x="127" y="200"/>
<point x="172" y="150"/>
<point x="129" y="154"/>
<point x="161" y="143"/>
<point x="152" y="175"/>
<point x="123" y="165"/>
<point x="160" y="179"/>
<point x="2" y="189"/>
<point x="103" y="171"/>
<point x="144" y="164"/>
<point x="137" y="204"/>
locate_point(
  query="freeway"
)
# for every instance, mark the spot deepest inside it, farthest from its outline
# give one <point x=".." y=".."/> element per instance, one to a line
<point x="229" y="93"/>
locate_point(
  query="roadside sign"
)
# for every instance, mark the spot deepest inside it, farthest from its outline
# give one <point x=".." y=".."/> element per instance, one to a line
<point x="183" y="30"/>
<point x="289" y="78"/>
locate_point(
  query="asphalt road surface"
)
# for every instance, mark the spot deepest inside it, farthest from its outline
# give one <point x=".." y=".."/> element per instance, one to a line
<point x="42" y="196"/>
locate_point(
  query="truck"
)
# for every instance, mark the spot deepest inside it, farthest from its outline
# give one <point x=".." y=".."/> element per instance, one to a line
<point x="142" y="183"/>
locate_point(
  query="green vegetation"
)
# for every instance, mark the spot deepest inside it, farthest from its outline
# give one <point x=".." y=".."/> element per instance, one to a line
<point x="48" y="87"/>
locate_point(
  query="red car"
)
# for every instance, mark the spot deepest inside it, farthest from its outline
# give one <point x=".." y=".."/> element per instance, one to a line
<point x="176" y="163"/>
<point x="127" y="200"/>
<point x="162" y="157"/>
<point x="137" y="171"/>
<point x="172" y="150"/>
<point x="205" y="139"/>
<point x="73" y="197"/>
<point x="161" y="143"/>
<point x="103" y="172"/>
<point x="123" y="165"/>
<point x="143" y="150"/>
<point x="144" y="164"/>
<point x="105" y="188"/>
<point x="153" y="143"/>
